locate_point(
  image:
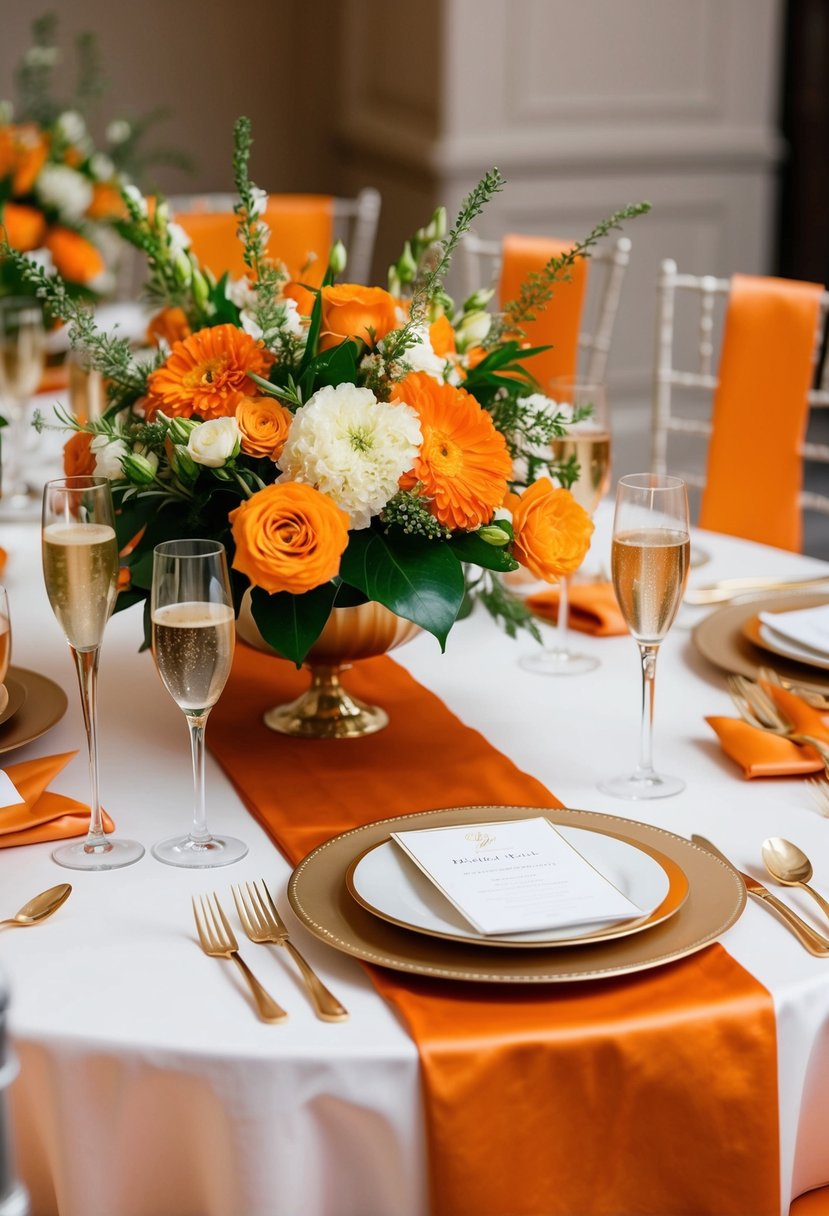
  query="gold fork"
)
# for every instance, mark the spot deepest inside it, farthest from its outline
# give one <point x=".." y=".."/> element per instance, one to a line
<point x="819" y="789"/>
<point x="811" y="696"/>
<point x="758" y="709"/>
<point x="262" y="923"/>
<point x="218" y="940"/>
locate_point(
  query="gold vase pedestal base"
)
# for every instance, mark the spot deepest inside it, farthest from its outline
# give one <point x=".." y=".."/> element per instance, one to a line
<point x="327" y="710"/>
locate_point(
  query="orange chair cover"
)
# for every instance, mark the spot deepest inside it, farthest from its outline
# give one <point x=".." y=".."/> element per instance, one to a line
<point x="761" y="754"/>
<point x="653" y="1094"/>
<point x="301" y="226"/>
<point x="560" y="322"/>
<point x="813" y="1203"/>
<point x="593" y="608"/>
<point x="755" y="468"/>
<point x="43" y="815"/>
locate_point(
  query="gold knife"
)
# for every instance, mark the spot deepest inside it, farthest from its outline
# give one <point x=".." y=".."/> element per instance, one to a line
<point x="732" y="588"/>
<point x="808" y="937"/>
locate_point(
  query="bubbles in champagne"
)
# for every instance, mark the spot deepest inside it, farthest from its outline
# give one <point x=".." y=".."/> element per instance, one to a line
<point x="80" y="568"/>
<point x="193" y="649"/>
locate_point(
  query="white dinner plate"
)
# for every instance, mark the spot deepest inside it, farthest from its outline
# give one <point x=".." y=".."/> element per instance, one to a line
<point x="388" y="883"/>
<point x="777" y="644"/>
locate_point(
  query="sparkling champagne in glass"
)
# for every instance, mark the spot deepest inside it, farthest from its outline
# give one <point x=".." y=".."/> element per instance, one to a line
<point x="22" y="356"/>
<point x="194" y="633"/>
<point x="5" y="635"/>
<point x="650" y="557"/>
<point x="587" y="442"/>
<point x="80" y="568"/>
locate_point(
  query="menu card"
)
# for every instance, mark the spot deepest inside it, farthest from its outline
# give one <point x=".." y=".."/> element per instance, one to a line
<point x="516" y="876"/>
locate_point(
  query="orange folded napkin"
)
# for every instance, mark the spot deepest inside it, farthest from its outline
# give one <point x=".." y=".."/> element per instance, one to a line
<point x="762" y="754"/>
<point x="42" y="815"/>
<point x="593" y="608"/>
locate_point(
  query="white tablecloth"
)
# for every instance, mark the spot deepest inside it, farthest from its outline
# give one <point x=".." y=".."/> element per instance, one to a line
<point x="148" y="1085"/>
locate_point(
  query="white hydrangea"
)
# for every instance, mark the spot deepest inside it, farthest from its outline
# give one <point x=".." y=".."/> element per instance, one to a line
<point x="68" y="191"/>
<point x="108" y="453"/>
<point x="71" y="126"/>
<point x="352" y="447"/>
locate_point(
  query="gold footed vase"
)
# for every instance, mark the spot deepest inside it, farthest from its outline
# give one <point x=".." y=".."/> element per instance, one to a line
<point x="327" y="710"/>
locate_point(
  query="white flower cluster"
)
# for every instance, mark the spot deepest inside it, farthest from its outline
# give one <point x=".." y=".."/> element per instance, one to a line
<point x="64" y="189"/>
<point x="352" y="447"/>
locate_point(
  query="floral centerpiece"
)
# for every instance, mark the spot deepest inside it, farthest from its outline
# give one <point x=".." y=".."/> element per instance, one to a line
<point x="60" y="195"/>
<point x="346" y="444"/>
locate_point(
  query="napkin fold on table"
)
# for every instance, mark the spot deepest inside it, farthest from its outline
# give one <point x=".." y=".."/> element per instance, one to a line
<point x="41" y="815"/>
<point x="593" y="608"/>
<point x="760" y="753"/>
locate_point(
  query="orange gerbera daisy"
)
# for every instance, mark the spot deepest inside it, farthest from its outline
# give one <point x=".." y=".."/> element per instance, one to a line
<point x="207" y="374"/>
<point x="463" y="463"/>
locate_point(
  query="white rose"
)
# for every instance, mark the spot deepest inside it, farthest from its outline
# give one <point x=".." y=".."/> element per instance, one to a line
<point x="214" y="442"/>
<point x="69" y="192"/>
<point x="108" y="453"/>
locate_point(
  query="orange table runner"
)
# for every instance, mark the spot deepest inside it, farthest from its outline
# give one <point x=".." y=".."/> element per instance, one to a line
<point x="755" y="468"/>
<point x="646" y="1094"/>
<point x="559" y="323"/>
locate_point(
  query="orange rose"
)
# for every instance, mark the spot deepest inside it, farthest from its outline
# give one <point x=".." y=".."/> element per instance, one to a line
<point x="263" y="424"/>
<point x="75" y="258"/>
<point x="23" y="152"/>
<point x="78" y="458"/>
<point x="352" y="311"/>
<point x="552" y="532"/>
<point x="289" y="537"/>
<point x="25" y="226"/>
<point x="302" y="297"/>
<point x="106" y="202"/>
<point x="170" y="325"/>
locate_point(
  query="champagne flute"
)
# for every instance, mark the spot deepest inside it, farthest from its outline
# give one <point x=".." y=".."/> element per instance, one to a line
<point x="22" y="357"/>
<point x="588" y="442"/>
<point x="5" y="635"/>
<point x="650" y="556"/>
<point x="80" y="568"/>
<point x="194" y="633"/>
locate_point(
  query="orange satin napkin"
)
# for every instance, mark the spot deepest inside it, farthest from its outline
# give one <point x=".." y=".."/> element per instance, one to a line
<point x="755" y="468"/>
<point x="593" y="608"/>
<point x="43" y="815"/>
<point x="301" y="226"/>
<point x="560" y="322"/>
<point x="812" y="1203"/>
<point x="650" y="1094"/>
<point x="762" y="754"/>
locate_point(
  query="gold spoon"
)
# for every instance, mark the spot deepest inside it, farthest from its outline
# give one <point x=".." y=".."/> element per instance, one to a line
<point x="791" y="867"/>
<point x="41" y="906"/>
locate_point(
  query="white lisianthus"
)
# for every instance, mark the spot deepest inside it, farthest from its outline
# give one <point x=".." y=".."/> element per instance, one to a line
<point x="68" y="191"/>
<point x="352" y="447"/>
<point x="103" y="170"/>
<point x="137" y="198"/>
<point x="118" y="131"/>
<point x="108" y="453"/>
<point x="71" y="126"/>
<point x="422" y="358"/>
<point x="214" y="442"/>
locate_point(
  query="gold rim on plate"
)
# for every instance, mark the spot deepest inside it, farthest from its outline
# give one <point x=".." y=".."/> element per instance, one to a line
<point x="720" y="639"/>
<point x="44" y="706"/>
<point x="319" y="897"/>
<point x="753" y="630"/>
<point x="673" y="901"/>
<point x="17" y="695"/>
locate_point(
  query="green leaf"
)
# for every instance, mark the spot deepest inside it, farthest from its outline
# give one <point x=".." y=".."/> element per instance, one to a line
<point x="468" y="547"/>
<point x="290" y="624"/>
<point x="417" y="579"/>
<point x="313" y="334"/>
<point x="337" y="365"/>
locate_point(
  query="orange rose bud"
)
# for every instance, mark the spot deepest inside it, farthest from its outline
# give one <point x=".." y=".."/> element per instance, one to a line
<point x="78" y="458"/>
<point x="552" y="532"/>
<point x="263" y="424"/>
<point x="25" y="226"/>
<point x="352" y="311"/>
<point x="169" y="325"/>
<point x="76" y="259"/>
<point x="289" y="537"/>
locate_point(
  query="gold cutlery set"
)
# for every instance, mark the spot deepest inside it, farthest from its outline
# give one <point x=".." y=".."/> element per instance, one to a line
<point x="263" y="925"/>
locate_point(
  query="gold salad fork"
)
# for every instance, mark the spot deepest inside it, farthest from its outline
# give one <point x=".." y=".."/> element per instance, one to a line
<point x="218" y="940"/>
<point x="262" y="923"/>
<point x="812" y="696"/>
<point x="757" y="709"/>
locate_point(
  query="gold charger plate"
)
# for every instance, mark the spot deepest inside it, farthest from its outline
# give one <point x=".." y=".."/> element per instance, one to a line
<point x="17" y="695"/>
<point x="318" y="895"/>
<point x="721" y="639"/>
<point x="45" y="705"/>
<point x="673" y="901"/>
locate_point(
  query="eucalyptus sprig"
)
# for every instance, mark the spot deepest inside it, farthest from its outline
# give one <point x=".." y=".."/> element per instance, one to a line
<point x="537" y="289"/>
